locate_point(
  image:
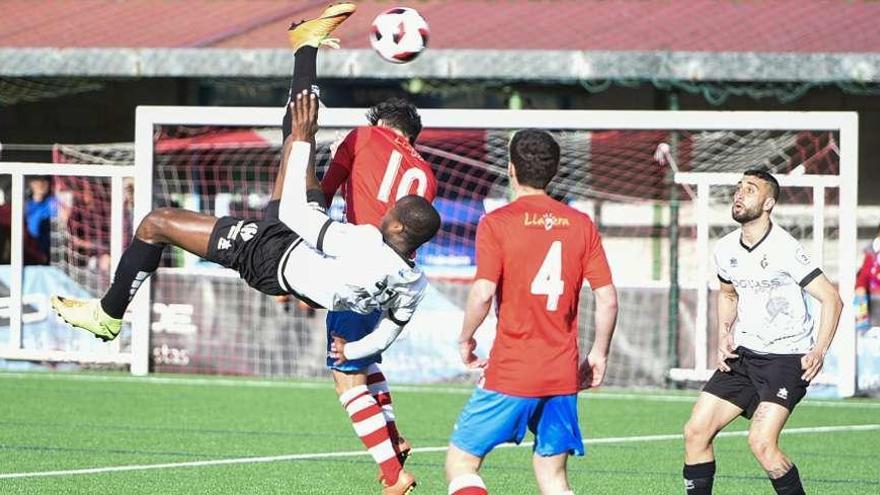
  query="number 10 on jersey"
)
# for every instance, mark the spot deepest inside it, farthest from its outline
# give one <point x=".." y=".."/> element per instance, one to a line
<point x="411" y="176"/>
<point x="548" y="281"/>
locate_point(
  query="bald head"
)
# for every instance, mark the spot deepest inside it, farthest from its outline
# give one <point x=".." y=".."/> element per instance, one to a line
<point x="418" y="220"/>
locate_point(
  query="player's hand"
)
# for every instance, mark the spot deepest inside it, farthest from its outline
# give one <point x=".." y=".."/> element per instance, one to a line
<point x="662" y="154"/>
<point x="591" y="372"/>
<point x="304" y="116"/>
<point x="812" y="363"/>
<point x="466" y="349"/>
<point x="337" y="350"/>
<point x="725" y="352"/>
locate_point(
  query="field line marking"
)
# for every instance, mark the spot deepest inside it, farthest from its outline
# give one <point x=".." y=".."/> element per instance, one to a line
<point x="359" y="453"/>
<point x="464" y="390"/>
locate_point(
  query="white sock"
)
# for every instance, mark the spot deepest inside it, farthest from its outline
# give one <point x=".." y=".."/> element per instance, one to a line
<point x="467" y="481"/>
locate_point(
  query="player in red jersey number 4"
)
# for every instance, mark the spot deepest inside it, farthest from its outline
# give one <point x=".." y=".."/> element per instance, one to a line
<point x="532" y="257"/>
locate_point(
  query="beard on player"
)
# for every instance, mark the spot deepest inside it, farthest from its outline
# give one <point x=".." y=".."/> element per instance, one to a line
<point x="745" y="214"/>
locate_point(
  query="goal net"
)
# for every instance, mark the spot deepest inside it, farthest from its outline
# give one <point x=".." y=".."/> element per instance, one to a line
<point x="223" y="161"/>
<point x="657" y="228"/>
<point x="64" y="226"/>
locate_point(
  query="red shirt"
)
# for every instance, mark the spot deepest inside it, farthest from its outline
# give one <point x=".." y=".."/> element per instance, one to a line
<point x="378" y="166"/>
<point x="868" y="277"/>
<point x="538" y="251"/>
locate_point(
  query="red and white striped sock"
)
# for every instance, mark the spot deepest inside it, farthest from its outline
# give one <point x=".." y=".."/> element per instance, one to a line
<point x="369" y="424"/>
<point x="468" y="484"/>
<point x="378" y="387"/>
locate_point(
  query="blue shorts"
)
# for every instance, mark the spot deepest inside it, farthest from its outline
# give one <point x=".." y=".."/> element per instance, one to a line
<point x="492" y="418"/>
<point x="352" y="326"/>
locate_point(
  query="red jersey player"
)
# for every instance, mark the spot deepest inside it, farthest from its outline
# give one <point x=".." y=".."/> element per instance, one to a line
<point x="377" y="164"/>
<point x="532" y="257"/>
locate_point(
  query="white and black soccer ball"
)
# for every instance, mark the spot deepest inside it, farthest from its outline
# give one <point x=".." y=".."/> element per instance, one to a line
<point x="399" y="35"/>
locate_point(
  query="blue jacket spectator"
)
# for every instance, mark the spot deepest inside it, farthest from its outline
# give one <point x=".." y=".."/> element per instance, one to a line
<point x="40" y="209"/>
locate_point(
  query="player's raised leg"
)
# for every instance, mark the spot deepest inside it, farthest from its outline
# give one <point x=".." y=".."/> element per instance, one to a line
<point x="165" y="226"/>
<point x="305" y="38"/>
<point x="710" y="415"/>
<point x="767" y="423"/>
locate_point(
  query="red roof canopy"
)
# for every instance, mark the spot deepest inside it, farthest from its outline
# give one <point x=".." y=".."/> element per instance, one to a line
<point x="803" y="26"/>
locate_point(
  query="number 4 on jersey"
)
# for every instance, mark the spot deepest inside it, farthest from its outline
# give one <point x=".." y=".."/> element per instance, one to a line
<point x="548" y="281"/>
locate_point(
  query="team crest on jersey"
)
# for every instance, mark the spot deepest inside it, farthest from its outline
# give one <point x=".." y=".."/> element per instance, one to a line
<point x="802" y="256"/>
<point x="547" y="221"/>
<point x="764" y="262"/>
<point x="733" y="262"/>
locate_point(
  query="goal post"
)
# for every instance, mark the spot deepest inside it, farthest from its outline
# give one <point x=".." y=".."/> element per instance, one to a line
<point x="606" y="172"/>
<point x="45" y="341"/>
<point x="844" y="346"/>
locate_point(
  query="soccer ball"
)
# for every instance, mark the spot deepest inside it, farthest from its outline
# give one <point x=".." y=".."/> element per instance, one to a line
<point x="399" y="35"/>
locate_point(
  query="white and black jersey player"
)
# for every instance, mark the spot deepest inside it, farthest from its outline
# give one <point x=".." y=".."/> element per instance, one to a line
<point x="302" y="252"/>
<point x="769" y="349"/>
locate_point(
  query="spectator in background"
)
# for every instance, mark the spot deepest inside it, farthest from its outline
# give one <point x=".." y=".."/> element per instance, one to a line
<point x="868" y="278"/>
<point x="868" y="284"/>
<point x="40" y="209"/>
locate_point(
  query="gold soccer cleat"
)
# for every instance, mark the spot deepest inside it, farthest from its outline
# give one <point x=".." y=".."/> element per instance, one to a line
<point x="316" y="32"/>
<point x="87" y="315"/>
<point x="404" y="486"/>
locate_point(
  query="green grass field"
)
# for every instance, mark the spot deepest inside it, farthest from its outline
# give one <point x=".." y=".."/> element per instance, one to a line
<point x="111" y="433"/>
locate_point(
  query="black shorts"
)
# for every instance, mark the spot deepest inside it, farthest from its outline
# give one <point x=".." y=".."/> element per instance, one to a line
<point x="257" y="249"/>
<point x="755" y="378"/>
<point x="253" y="248"/>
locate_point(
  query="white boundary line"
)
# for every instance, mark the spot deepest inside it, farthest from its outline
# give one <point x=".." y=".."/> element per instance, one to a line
<point x="463" y="390"/>
<point x="359" y="453"/>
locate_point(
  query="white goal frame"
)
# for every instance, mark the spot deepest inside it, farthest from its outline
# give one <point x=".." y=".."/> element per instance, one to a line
<point x="703" y="182"/>
<point x="137" y="358"/>
<point x="846" y="123"/>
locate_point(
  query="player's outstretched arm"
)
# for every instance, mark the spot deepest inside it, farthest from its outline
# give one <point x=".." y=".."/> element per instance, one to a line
<point x="315" y="227"/>
<point x="406" y="299"/>
<point x="303" y="130"/>
<point x="298" y="170"/>
<point x="479" y="302"/>
<point x="377" y="341"/>
<point x="821" y="288"/>
<point x="592" y="370"/>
